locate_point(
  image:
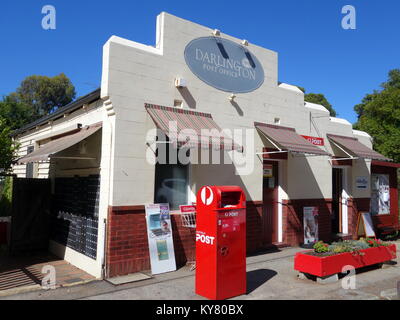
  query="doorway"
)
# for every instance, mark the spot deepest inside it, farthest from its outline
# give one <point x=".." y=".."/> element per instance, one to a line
<point x="337" y="191"/>
<point x="270" y="202"/>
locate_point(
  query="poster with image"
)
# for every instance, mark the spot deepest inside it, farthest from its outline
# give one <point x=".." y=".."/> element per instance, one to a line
<point x="310" y="220"/>
<point x="159" y="234"/>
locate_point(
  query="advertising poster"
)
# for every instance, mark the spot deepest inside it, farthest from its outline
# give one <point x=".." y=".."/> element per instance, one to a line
<point x="310" y="218"/>
<point x="159" y="232"/>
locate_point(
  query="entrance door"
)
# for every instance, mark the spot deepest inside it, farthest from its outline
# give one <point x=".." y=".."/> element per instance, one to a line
<point x="270" y="202"/>
<point x="337" y="190"/>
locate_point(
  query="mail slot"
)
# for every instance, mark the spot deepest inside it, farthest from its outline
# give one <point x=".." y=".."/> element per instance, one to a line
<point x="221" y="242"/>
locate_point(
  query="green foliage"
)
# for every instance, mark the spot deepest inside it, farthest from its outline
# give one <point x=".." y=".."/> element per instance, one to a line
<point x="347" y="246"/>
<point x="379" y="115"/>
<point x="319" y="98"/>
<point x="14" y="113"/>
<point x="8" y="147"/>
<point x="374" y="242"/>
<point x="321" y="247"/>
<point x="44" y="94"/>
<point x="6" y="197"/>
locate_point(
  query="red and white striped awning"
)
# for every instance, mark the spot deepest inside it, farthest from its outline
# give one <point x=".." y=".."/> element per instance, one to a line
<point x="191" y="129"/>
<point x="356" y="148"/>
<point x="287" y="139"/>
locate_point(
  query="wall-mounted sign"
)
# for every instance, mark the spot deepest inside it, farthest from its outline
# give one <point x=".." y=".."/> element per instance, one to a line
<point x="316" y="141"/>
<point x="268" y="171"/>
<point x="159" y="233"/>
<point x="310" y="220"/>
<point x="224" y="64"/>
<point x="361" y="182"/>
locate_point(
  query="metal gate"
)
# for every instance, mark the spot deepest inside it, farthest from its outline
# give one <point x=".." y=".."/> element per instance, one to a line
<point x="30" y="220"/>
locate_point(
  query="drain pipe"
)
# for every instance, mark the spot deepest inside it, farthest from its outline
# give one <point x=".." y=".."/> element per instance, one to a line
<point x="110" y="113"/>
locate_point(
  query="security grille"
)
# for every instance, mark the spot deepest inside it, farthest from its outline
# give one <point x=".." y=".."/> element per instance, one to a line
<point x="75" y="214"/>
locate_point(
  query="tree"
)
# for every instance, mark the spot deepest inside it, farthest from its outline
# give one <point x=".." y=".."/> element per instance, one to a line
<point x="14" y="113"/>
<point x="44" y="94"/>
<point x="8" y="147"/>
<point x="319" y="98"/>
<point x="379" y="115"/>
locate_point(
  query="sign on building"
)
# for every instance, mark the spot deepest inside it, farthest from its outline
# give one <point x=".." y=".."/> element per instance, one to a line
<point x="224" y="64"/>
<point x="361" y="182"/>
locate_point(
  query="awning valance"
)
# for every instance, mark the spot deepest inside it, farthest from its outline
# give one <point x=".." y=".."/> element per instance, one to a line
<point x="286" y="139"/>
<point x="355" y="148"/>
<point x="190" y="129"/>
<point x="46" y="151"/>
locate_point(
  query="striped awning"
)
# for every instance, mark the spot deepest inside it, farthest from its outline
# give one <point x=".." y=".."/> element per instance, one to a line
<point x="355" y="148"/>
<point x="48" y="150"/>
<point x="191" y="129"/>
<point x="286" y="139"/>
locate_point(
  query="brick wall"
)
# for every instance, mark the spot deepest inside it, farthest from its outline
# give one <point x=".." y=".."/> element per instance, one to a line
<point x="127" y="246"/>
<point x="254" y="226"/>
<point x="355" y="205"/>
<point x="127" y="249"/>
<point x="293" y="219"/>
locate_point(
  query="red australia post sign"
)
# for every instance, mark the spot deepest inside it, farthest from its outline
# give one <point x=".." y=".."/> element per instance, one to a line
<point x="315" y="140"/>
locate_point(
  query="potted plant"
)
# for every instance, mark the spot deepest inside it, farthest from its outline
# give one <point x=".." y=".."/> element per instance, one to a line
<point x="327" y="260"/>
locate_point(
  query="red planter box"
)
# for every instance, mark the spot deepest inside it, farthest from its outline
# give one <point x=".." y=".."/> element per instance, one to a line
<point x="326" y="266"/>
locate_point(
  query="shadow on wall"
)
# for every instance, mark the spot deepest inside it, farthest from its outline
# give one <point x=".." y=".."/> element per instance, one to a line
<point x="238" y="108"/>
<point x="293" y="209"/>
<point x="187" y="97"/>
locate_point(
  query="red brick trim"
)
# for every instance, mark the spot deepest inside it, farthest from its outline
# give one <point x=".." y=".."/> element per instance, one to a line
<point x="292" y="212"/>
<point x="127" y="245"/>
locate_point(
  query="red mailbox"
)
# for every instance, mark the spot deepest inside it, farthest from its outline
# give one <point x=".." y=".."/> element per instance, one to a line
<point x="221" y="242"/>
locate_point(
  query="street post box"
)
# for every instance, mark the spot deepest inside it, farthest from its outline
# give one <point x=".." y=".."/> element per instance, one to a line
<point x="221" y="242"/>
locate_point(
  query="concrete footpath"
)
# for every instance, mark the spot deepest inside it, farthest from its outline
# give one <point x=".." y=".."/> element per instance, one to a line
<point x="270" y="276"/>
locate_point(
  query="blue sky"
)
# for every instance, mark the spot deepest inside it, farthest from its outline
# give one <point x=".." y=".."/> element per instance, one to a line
<point x="314" y="51"/>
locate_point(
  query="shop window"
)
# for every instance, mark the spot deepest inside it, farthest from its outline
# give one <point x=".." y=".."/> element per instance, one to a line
<point x="29" y="166"/>
<point x="380" y="194"/>
<point x="171" y="184"/>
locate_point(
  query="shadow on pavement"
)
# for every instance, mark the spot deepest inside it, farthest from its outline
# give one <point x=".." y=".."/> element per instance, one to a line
<point x="257" y="278"/>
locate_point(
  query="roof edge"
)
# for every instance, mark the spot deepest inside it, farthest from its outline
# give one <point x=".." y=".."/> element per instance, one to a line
<point x="89" y="98"/>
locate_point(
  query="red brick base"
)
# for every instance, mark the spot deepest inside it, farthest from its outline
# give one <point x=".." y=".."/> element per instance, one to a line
<point x="127" y="246"/>
<point x="127" y="249"/>
<point x="355" y="205"/>
<point x="293" y="229"/>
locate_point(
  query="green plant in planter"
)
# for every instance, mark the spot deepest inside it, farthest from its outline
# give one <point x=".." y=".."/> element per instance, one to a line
<point x="373" y="243"/>
<point x="321" y="247"/>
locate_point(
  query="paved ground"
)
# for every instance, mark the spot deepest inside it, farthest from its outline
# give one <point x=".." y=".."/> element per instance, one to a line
<point x="19" y="274"/>
<point x="270" y="276"/>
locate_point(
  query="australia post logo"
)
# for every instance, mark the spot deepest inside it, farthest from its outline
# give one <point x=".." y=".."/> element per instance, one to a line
<point x="207" y="196"/>
<point x="203" y="238"/>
